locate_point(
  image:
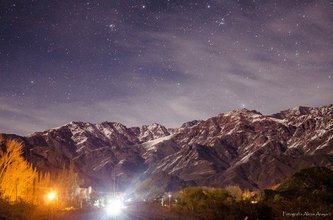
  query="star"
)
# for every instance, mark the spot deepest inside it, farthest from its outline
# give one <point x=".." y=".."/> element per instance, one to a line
<point x="110" y="57"/>
<point x="112" y="27"/>
<point x="220" y="22"/>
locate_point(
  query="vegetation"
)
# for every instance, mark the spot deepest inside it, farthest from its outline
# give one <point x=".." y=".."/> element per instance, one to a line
<point x="14" y="211"/>
<point x="308" y="192"/>
<point x="17" y="177"/>
<point x="219" y="203"/>
<point x="309" y="185"/>
<point x="23" y="188"/>
<point x="23" y="191"/>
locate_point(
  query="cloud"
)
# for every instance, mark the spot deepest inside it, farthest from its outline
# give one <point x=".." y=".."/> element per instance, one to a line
<point x="181" y="67"/>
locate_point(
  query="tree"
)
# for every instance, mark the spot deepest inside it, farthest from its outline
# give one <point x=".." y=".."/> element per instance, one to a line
<point x="17" y="176"/>
<point x="203" y="198"/>
<point x="20" y="181"/>
<point x="67" y="183"/>
<point x="235" y="192"/>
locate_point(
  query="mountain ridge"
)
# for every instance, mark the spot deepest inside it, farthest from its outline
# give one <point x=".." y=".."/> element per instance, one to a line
<point x="241" y="147"/>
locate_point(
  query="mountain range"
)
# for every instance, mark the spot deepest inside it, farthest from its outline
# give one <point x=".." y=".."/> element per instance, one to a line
<point x="242" y="147"/>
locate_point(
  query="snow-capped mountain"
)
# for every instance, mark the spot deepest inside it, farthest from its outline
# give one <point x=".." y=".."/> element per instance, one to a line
<point x="241" y="147"/>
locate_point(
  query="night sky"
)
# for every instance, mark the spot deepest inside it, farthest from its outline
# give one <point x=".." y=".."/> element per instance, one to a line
<point x="139" y="62"/>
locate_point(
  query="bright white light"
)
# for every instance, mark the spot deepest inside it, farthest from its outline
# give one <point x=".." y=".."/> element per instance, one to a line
<point x="114" y="207"/>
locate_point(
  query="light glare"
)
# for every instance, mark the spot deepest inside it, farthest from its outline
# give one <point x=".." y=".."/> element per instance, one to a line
<point x="114" y="207"/>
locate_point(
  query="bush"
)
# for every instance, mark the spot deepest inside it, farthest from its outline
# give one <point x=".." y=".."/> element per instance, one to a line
<point x="235" y="192"/>
<point x="15" y="211"/>
<point x="210" y="201"/>
<point x="203" y="198"/>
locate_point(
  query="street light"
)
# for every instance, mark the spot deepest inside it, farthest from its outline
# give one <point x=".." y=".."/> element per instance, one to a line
<point x="51" y="196"/>
<point x="169" y="196"/>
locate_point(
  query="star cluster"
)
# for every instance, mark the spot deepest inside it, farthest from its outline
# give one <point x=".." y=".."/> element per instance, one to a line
<point x="164" y="61"/>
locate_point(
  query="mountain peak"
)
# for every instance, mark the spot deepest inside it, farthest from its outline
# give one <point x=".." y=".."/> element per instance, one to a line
<point x="240" y="111"/>
<point x="190" y="123"/>
<point x="153" y="131"/>
<point x="292" y="112"/>
<point x="240" y="147"/>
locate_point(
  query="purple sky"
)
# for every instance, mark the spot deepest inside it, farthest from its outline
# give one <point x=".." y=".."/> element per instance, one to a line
<point x="139" y="62"/>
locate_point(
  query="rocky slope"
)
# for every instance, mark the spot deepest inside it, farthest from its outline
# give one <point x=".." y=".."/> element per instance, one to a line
<point x="241" y="147"/>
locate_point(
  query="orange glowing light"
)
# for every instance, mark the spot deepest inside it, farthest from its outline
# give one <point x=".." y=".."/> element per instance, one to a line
<point x="51" y="196"/>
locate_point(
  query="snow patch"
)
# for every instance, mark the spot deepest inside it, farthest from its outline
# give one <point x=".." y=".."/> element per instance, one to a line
<point x="151" y="145"/>
<point x="102" y="164"/>
<point x="244" y="159"/>
<point x="81" y="140"/>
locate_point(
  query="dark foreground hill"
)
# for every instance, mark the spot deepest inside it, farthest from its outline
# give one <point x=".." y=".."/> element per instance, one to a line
<point x="305" y="195"/>
<point x="311" y="185"/>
